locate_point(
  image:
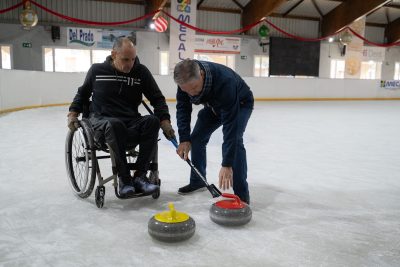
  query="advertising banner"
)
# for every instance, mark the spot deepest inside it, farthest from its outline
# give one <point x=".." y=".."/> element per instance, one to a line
<point x="94" y="38"/>
<point x="83" y="37"/>
<point x="373" y="53"/>
<point x="390" y="84"/>
<point x="181" y="41"/>
<point x="217" y="44"/>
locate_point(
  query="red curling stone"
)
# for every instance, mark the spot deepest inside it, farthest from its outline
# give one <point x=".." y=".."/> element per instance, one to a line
<point x="231" y="211"/>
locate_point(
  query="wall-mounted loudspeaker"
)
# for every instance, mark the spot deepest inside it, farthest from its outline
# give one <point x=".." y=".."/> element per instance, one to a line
<point x="55" y="33"/>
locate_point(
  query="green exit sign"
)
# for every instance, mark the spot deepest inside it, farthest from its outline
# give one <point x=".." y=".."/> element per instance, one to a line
<point x="27" y="45"/>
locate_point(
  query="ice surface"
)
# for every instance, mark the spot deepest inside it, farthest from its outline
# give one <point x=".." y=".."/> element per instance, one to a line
<point x="324" y="182"/>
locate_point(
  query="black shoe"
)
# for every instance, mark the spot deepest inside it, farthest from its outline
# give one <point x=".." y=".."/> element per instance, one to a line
<point x="125" y="187"/>
<point x="143" y="185"/>
<point x="187" y="189"/>
<point x="246" y="199"/>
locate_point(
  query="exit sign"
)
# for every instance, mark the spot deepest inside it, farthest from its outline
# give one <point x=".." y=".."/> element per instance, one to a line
<point x="27" y="45"/>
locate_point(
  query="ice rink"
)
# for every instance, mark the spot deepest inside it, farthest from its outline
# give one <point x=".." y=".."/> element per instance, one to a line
<point x="324" y="183"/>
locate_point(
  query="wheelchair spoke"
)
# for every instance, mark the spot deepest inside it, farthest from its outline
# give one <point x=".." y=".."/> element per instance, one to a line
<point x="80" y="159"/>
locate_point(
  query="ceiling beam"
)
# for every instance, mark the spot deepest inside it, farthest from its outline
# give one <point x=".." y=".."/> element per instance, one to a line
<point x="392" y="31"/>
<point x="238" y="4"/>
<point x="317" y="8"/>
<point x="372" y="24"/>
<point x="223" y="10"/>
<point x="257" y="9"/>
<point x="276" y="15"/>
<point x="199" y="3"/>
<point x="293" y="7"/>
<point x="152" y="5"/>
<point x="133" y="2"/>
<point x="348" y="12"/>
<point x="393" y="6"/>
<point x="387" y="15"/>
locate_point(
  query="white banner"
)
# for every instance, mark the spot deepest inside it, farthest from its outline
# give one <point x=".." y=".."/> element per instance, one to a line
<point x="95" y="38"/>
<point x="373" y="53"/>
<point x="109" y="36"/>
<point x="83" y="37"/>
<point x="181" y="40"/>
<point x="217" y="44"/>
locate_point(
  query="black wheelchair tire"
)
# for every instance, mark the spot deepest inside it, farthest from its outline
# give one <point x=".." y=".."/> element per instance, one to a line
<point x="80" y="161"/>
<point x="155" y="180"/>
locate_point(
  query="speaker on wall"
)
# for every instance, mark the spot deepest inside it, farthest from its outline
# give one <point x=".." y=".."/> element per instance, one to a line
<point x="55" y="33"/>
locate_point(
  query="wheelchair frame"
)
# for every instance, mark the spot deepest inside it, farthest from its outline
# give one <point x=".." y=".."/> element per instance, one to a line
<point x="83" y="167"/>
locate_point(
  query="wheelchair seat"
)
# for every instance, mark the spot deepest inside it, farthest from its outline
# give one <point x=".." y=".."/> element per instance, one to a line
<point x="82" y="162"/>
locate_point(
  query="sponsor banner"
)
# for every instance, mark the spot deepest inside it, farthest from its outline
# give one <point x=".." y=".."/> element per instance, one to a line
<point x="94" y="38"/>
<point x="108" y="37"/>
<point x="83" y="37"/>
<point x="373" y="53"/>
<point x="390" y="84"/>
<point x="181" y="40"/>
<point x="217" y="44"/>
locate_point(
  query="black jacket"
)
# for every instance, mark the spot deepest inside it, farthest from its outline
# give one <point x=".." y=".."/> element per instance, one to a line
<point x="117" y="94"/>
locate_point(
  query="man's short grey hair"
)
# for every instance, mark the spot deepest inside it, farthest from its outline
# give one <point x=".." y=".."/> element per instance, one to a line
<point x="186" y="71"/>
<point x="118" y="43"/>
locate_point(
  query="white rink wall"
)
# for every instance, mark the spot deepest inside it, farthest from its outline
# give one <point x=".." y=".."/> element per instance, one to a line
<point x="19" y="88"/>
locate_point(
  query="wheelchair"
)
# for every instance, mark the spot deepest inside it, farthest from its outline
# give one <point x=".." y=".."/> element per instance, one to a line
<point x="82" y="163"/>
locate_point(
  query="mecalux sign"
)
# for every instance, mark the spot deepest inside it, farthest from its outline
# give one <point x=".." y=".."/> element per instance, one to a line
<point x="390" y="84"/>
<point x="181" y="41"/>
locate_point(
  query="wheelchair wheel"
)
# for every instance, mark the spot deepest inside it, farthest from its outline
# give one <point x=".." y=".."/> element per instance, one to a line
<point x="99" y="196"/>
<point x="81" y="161"/>
<point x="154" y="179"/>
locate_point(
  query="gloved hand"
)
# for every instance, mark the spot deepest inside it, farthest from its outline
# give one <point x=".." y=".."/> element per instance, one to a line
<point x="167" y="129"/>
<point x="73" y="120"/>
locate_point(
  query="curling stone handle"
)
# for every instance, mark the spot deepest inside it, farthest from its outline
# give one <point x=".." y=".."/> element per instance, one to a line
<point x="235" y="197"/>
<point x="172" y="210"/>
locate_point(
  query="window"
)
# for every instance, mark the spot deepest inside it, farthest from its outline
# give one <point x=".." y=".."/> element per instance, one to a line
<point x="261" y="66"/>
<point x="397" y="71"/>
<point x="227" y="60"/>
<point x="48" y="59"/>
<point x="99" y="56"/>
<point x="72" y="60"/>
<point x="371" y="70"/>
<point x="164" y="63"/>
<point x="5" y="57"/>
<point x="337" y="69"/>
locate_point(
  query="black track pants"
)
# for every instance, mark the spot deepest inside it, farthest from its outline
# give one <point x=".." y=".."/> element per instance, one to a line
<point x="118" y="133"/>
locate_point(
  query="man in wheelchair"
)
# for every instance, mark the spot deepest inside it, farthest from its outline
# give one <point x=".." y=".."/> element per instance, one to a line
<point x="116" y="88"/>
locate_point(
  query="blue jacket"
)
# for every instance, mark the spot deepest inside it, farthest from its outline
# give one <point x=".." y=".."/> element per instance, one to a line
<point x="225" y="92"/>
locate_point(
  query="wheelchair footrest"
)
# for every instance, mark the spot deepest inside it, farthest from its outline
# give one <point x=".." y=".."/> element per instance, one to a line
<point x="136" y="195"/>
<point x="153" y="166"/>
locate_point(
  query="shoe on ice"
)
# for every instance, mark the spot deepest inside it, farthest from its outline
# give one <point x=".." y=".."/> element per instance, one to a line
<point x="125" y="187"/>
<point x="246" y="199"/>
<point x="187" y="189"/>
<point x="143" y="185"/>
